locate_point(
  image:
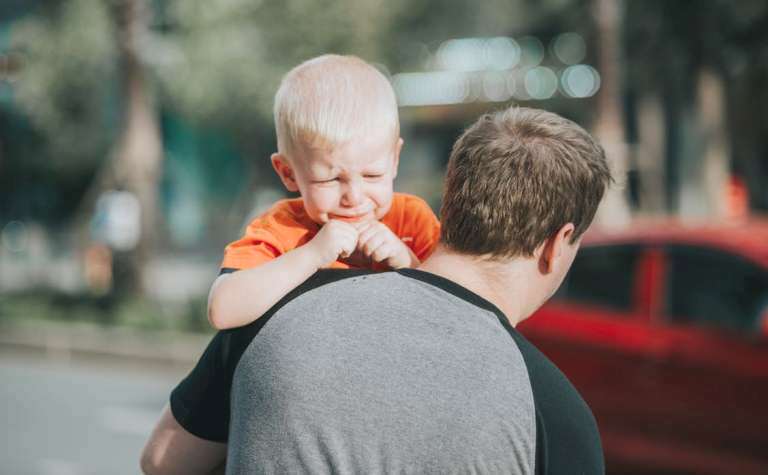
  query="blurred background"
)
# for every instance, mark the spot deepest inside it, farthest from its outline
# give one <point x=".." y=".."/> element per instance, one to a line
<point x="134" y="145"/>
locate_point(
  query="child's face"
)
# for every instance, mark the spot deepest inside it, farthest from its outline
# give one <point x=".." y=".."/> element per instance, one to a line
<point x="350" y="182"/>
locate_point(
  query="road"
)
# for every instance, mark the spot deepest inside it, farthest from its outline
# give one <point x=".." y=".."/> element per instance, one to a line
<point x="77" y="417"/>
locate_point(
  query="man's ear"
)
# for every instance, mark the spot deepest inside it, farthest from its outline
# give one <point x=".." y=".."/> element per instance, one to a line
<point x="551" y="250"/>
<point x="284" y="170"/>
<point x="396" y="159"/>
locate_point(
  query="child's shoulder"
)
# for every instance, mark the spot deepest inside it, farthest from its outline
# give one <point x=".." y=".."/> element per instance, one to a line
<point x="407" y="210"/>
<point x="408" y="201"/>
<point x="288" y="211"/>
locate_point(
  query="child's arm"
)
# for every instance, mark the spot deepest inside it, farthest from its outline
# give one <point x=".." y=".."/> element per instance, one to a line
<point x="379" y="243"/>
<point x="239" y="298"/>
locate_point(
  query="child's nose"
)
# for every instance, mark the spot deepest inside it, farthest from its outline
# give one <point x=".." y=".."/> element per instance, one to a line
<point x="352" y="194"/>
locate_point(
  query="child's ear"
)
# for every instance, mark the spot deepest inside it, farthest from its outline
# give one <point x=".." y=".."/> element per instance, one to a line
<point x="396" y="159"/>
<point x="284" y="170"/>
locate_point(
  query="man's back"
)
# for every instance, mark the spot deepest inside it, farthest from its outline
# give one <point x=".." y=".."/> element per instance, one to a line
<point x="431" y="385"/>
<point x="437" y="383"/>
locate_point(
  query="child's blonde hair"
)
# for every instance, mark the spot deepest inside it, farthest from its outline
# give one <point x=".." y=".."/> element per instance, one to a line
<point x="331" y="99"/>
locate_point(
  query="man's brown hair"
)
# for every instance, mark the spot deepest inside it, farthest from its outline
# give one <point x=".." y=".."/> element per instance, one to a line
<point x="515" y="177"/>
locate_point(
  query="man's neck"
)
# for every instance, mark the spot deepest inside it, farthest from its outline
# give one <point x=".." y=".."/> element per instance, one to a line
<point x="502" y="284"/>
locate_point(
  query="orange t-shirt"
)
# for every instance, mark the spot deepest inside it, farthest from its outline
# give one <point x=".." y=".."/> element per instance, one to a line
<point x="286" y="226"/>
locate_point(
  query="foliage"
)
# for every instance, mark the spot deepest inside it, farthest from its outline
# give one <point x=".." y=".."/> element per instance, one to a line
<point x="223" y="59"/>
<point x="68" y="81"/>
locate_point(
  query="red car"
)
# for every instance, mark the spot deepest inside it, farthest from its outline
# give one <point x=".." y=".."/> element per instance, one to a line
<point x="663" y="328"/>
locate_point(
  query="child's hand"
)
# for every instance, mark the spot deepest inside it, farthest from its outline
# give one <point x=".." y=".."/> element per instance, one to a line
<point x="335" y="239"/>
<point x="379" y="243"/>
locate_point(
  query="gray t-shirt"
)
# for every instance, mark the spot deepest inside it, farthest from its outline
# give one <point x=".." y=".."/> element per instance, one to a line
<point x="396" y="372"/>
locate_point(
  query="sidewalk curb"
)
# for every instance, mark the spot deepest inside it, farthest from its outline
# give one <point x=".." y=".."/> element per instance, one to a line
<point x="64" y="341"/>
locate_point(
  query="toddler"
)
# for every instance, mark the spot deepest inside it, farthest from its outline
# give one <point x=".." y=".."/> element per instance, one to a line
<point x="338" y="146"/>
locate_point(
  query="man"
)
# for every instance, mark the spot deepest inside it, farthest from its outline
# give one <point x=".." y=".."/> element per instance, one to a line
<point x="415" y="370"/>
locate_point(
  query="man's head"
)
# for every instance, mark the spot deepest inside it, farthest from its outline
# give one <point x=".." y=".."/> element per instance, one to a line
<point x="522" y="183"/>
<point x="338" y="138"/>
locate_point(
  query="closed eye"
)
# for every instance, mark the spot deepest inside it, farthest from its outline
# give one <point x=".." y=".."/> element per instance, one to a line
<point x="330" y="180"/>
<point x="374" y="175"/>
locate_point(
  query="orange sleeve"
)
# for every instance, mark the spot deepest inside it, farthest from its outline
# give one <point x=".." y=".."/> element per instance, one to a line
<point x="256" y="247"/>
<point x="420" y="227"/>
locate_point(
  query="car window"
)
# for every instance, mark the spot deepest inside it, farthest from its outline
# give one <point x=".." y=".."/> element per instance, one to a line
<point x="712" y="288"/>
<point x="603" y="276"/>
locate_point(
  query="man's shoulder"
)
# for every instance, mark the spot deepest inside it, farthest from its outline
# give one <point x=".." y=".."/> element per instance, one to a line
<point x="319" y="279"/>
<point x="241" y="337"/>
<point x="328" y="276"/>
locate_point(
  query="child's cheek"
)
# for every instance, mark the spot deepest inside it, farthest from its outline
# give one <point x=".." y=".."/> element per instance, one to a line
<point x="326" y="200"/>
<point x="383" y="199"/>
<point x="384" y="193"/>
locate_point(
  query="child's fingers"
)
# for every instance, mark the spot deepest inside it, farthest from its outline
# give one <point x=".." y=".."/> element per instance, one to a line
<point x="349" y="243"/>
<point x="341" y="236"/>
<point x="383" y="252"/>
<point x="362" y="226"/>
<point x="372" y="243"/>
<point x="346" y="250"/>
<point x="376" y="231"/>
<point x="344" y="227"/>
<point x="366" y="232"/>
<point x="340" y="228"/>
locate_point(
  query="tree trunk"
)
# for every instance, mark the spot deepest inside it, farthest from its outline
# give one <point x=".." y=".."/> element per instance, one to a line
<point x="609" y="126"/>
<point x="650" y="155"/>
<point x="138" y="153"/>
<point x="706" y="168"/>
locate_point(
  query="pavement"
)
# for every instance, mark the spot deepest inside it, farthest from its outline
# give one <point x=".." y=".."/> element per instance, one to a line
<point x="84" y="416"/>
<point x="60" y="340"/>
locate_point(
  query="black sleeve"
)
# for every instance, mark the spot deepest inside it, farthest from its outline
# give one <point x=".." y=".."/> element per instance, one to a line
<point x="567" y="436"/>
<point x="200" y="403"/>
